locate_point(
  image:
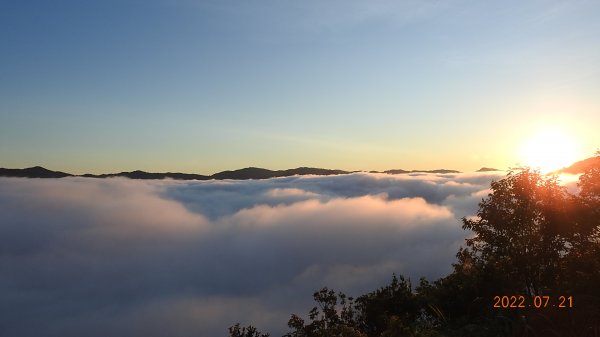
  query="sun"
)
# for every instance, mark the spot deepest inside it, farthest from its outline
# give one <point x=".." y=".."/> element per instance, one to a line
<point x="550" y="150"/>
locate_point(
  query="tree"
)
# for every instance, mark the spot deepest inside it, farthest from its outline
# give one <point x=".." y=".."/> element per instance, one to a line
<point x="521" y="231"/>
<point x="584" y="260"/>
<point x="392" y="307"/>
<point x="334" y="316"/>
<point x="249" y="331"/>
<point x="530" y="237"/>
<point x="589" y="202"/>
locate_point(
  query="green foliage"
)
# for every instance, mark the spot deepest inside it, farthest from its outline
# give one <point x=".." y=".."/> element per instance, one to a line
<point x="386" y="308"/>
<point x="530" y="237"/>
<point x="249" y="331"/>
<point x="334" y="316"/>
<point x="521" y="233"/>
<point x="583" y="262"/>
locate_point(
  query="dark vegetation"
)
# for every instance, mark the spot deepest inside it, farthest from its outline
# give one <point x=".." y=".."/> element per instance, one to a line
<point x="531" y="238"/>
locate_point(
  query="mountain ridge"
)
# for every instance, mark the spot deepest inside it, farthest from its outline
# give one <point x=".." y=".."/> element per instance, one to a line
<point x="581" y="166"/>
<point x="239" y="174"/>
<point x="33" y="172"/>
<point x="253" y="172"/>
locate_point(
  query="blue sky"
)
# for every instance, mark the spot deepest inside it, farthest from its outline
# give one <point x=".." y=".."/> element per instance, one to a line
<point x="203" y="86"/>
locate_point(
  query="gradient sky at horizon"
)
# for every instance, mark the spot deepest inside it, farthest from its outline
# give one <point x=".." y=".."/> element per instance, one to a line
<point x="203" y="86"/>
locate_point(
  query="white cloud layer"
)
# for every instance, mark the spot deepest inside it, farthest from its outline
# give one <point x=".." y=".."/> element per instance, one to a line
<point x="118" y="257"/>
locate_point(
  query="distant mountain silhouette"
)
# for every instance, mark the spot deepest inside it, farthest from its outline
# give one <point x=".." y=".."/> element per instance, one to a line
<point x="246" y="173"/>
<point x="437" y="171"/>
<point x="581" y="166"/>
<point x="149" y="175"/>
<point x="241" y="174"/>
<point x="32" y="172"/>
<point x="396" y="171"/>
<point x="313" y="171"/>
<point x="253" y="172"/>
<point x="399" y="171"/>
<point x="256" y="172"/>
<point x="260" y="173"/>
<point x="487" y="169"/>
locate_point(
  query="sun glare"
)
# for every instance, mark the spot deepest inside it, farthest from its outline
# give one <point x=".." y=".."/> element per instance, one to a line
<point x="550" y="150"/>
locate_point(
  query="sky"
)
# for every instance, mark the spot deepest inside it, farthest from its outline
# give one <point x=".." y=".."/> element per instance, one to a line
<point x="204" y="86"/>
<point x="120" y="257"/>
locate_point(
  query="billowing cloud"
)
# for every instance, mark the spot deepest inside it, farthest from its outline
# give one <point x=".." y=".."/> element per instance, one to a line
<point x="121" y="257"/>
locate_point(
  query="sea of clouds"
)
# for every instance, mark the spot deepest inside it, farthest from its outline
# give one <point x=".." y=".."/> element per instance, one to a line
<point x="120" y="257"/>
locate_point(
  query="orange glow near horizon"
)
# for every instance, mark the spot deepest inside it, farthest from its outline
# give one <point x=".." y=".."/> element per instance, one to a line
<point x="550" y="150"/>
